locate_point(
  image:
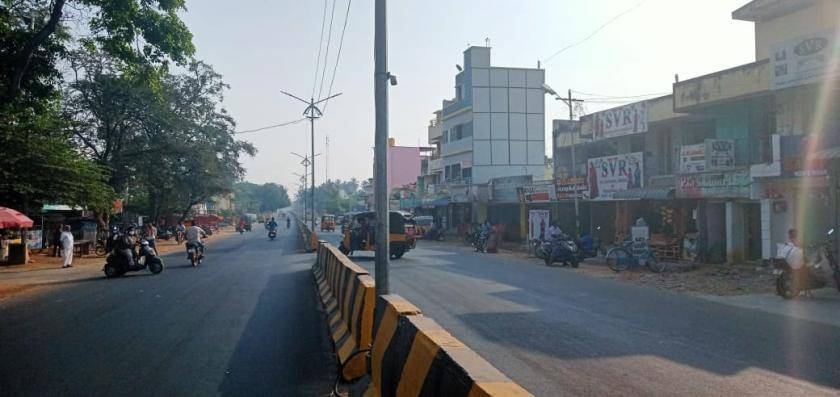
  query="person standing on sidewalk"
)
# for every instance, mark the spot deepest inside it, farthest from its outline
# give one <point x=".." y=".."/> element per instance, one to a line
<point x="56" y="240"/>
<point x="67" y="241"/>
<point x="151" y="234"/>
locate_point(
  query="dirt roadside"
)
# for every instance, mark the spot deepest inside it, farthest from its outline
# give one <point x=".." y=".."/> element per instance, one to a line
<point x="45" y="270"/>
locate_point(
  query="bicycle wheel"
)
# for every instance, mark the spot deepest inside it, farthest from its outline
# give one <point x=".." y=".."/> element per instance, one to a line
<point x="618" y="259"/>
<point x="654" y="265"/>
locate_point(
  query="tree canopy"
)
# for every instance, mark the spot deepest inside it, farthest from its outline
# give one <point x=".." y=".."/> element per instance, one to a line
<point x="254" y="198"/>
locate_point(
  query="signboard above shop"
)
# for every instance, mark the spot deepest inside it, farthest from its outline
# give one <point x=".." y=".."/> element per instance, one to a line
<point x="805" y="60"/>
<point x="569" y="186"/>
<point x="536" y="193"/>
<point x="725" y="184"/>
<point x="610" y="174"/>
<point x="711" y="155"/>
<point x="625" y="120"/>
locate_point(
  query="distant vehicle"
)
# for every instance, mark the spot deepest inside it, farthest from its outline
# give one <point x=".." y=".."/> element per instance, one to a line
<point x="328" y="223"/>
<point x="424" y="224"/>
<point x="359" y="235"/>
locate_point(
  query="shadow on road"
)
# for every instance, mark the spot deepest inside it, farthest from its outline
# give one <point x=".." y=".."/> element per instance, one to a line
<point x="284" y="349"/>
<point x="577" y="317"/>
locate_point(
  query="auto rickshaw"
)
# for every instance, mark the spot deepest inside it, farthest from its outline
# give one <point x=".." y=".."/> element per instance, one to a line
<point x="359" y="235"/>
<point x="328" y="223"/>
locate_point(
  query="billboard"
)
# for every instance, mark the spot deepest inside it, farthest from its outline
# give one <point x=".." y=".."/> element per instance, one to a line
<point x="538" y="224"/>
<point x="567" y="188"/>
<point x="610" y="174"/>
<point x="805" y="60"/>
<point x="625" y="120"/>
<point x="728" y="184"/>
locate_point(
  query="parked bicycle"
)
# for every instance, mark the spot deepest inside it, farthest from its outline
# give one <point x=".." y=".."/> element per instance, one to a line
<point x="632" y="254"/>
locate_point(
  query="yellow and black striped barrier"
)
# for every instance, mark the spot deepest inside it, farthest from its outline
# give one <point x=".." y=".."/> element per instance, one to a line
<point x="309" y="237"/>
<point x="348" y="294"/>
<point x="412" y="355"/>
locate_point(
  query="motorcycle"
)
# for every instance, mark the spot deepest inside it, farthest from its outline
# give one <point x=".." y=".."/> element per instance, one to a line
<point x="272" y="234"/>
<point x="469" y="236"/>
<point x="194" y="253"/>
<point x="480" y="243"/>
<point x="561" y="249"/>
<point x="790" y="282"/>
<point x="116" y="263"/>
<point x="540" y="248"/>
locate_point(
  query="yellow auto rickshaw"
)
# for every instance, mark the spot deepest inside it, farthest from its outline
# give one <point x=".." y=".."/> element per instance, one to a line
<point x="328" y="223"/>
<point x="359" y="235"/>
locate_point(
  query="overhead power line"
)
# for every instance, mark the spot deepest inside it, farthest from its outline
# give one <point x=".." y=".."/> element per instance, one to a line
<point x="596" y="96"/>
<point x="327" y="52"/>
<point x="594" y="32"/>
<point x="320" y="48"/>
<point x="338" y="55"/>
<point x="271" y="126"/>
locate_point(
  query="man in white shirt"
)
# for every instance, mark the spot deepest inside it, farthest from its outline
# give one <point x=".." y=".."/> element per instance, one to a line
<point x="193" y="236"/>
<point x="66" y="247"/>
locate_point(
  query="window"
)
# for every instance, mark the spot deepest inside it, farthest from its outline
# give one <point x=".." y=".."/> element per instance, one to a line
<point x="459" y="132"/>
<point x="466" y="173"/>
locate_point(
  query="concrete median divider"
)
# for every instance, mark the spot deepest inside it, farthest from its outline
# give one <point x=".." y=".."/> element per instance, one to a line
<point x="307" y="236"/>
<point x="391" y="346"/>
<point x="348" y="294"/>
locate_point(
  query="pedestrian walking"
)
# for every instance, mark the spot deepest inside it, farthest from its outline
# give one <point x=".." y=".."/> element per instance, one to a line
<point x="151" y="234"/>
<point x="66" y="241"/>
<point x="56" y="240"/>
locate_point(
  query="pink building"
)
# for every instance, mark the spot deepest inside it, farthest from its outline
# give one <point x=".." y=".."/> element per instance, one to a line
<point x="403" y="165"/>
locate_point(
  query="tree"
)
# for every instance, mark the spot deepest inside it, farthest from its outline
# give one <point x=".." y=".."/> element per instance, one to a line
<point x="39" y="166"/>
<point x="135" y="31"/>
<point x="254" y="198"/>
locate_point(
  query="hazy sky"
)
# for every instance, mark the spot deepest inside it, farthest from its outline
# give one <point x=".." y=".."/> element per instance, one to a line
<point x="264" y="46"/>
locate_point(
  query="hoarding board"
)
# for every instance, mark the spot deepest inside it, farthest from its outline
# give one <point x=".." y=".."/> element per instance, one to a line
<point x="625" y="120"/>
<point x="610" y="174"/>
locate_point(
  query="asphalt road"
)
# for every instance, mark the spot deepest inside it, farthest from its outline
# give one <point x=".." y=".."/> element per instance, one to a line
<point x="245" y="322"/>
<point x="559" y="333"/>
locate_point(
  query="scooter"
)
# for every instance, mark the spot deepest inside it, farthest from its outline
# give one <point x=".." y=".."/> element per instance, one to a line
<point x="272" y="234"/>
<point x="562" y="249"/>
<point x="790" y="282"/>
<point x="115" y="263"/>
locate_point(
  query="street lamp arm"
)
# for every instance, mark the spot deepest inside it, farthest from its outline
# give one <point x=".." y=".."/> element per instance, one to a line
<point x="302" y="100"/>
<point x="327" y="98"/>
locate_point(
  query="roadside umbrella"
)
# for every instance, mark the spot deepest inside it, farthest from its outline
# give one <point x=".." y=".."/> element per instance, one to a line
<point x="10" y="218"/>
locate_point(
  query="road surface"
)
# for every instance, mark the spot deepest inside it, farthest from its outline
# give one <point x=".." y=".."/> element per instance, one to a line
<point x="560" y="333"/>
<point x="246" y="322"/>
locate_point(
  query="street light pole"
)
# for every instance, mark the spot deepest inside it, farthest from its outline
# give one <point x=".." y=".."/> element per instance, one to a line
<point x="381" y="78"/>
<point x="312" y="112"/>
<point x="571" y="103"/>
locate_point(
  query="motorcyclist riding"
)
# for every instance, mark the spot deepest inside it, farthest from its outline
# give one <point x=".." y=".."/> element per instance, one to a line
<point x="194" y="235"/>
<point x="272" y="224"/>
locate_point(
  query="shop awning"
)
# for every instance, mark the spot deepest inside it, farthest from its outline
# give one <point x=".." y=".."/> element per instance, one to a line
<point x="645" y="193"/>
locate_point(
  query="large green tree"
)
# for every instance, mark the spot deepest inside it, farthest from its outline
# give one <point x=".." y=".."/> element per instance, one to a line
<point x="254" y="198"/>
<point x="135" y="31"/>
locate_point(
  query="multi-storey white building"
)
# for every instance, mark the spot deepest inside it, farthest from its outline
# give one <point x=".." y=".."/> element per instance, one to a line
<point x="495" y="125"/>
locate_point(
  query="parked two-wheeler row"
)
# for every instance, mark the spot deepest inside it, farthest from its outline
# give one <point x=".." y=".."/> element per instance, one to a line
<point x="801" y="276"/>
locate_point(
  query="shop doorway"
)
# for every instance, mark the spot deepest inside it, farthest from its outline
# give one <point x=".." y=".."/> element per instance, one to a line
<point x="752" y="231"/>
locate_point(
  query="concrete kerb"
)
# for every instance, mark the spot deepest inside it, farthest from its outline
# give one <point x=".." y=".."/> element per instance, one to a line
<point x="348" y="294"/>
<point x="409" y="354"/>
<point x="308" y="237"/>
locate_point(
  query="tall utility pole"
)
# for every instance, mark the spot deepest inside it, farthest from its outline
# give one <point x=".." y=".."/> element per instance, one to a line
<point x="571" y="103"/>
<point x="305" y="162"/>
<point x="381" y="78"/>
<point x="312" y="113"/>
<point x="327" y="157"/>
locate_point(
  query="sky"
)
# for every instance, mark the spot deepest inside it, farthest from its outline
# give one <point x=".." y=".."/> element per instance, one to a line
<point x="264" y="46"/>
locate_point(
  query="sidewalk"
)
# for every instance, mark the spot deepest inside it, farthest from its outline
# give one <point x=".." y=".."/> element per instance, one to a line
<point x="45" y="270"/>
<point x="822" y="306"/>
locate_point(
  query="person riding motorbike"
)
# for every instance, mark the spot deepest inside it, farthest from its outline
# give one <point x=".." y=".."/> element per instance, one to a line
<point x="123" y="245"/>
<point x="194" y="235"/>
<point x="272" y="224"/>
<point x="288" y="222"/>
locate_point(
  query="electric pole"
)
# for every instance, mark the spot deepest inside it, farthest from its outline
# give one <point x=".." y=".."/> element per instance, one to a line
<point x="571" y="103"/>
<point x="381" y="78"/>
<point x="312" y="113"/>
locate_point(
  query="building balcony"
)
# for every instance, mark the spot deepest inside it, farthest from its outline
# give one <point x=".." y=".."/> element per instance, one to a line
<point x="435" y="130"/>
<point x="455" y="147"/>
<point x="435" y="165"/>
<point x="745" y="81"/>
